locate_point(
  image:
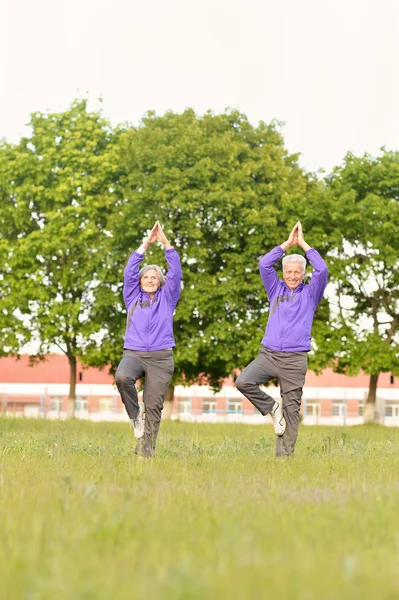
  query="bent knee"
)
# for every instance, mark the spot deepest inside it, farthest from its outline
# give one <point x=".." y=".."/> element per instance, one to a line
<point x="242" y="383"/>
<point x="122" y="379"/>
<point x="119" y="379"/>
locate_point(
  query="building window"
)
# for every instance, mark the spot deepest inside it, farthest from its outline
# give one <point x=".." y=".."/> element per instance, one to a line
<point x="360" y="410"/>
<point x="105" y="404"/>
<point x="312" y="409"/>
<point x="392" y="379"/>
<point x="392" y="410"/>
<point x="337" y="409"/>
<point x="234" y="406"/>
<point x="55" y="404"/>
<point x="209" y="406"/>
<point x="184" y="407"/>
<point x="80" y="404"/>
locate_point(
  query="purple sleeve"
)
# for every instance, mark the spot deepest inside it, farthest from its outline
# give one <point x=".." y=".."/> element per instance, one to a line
<point x="319" y="279"/>
<point x="131" y="285"/>
<point x="267" y="270"/>
<point x="173" y="276"/>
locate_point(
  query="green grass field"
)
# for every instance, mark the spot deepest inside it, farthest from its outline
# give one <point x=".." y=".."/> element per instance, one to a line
<point x="213" y="515"/>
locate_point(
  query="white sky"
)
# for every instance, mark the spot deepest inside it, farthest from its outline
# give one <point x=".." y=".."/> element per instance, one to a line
<point x="327" y="68"/>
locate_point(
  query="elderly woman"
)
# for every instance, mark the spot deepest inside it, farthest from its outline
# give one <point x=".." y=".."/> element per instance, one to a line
<point x="150" y="300"/>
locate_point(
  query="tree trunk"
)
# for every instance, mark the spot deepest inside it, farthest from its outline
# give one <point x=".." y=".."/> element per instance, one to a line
<point x="370" y="412"/>
<point x="72" y="387"/>
<point x="167" y="407"/>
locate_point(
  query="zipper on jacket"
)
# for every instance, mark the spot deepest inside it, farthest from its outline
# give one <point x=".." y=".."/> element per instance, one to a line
<point x="291" y="293"/>
<point x="148" y="326"/>
<point x="149" y="320"/>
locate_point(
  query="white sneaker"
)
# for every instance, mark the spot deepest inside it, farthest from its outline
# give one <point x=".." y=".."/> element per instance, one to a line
<point x="138" y="423"/>
<point x="277" y="418"/>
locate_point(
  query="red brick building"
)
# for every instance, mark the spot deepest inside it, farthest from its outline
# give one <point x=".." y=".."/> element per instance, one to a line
<point x="42" y="390"/>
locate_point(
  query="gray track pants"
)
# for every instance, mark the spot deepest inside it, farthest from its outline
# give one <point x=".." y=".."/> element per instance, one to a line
<point x="157" y="368"/>
<point x="290" y="370"/>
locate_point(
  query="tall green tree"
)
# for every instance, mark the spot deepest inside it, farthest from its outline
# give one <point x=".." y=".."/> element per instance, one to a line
<point x="57" y="188"/>
<point x="225" y="192"/>
<point x="364" y="223"/>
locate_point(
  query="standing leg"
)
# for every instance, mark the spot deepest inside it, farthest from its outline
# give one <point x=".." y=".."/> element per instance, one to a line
<point x="158" y="373"/>
<point x="292" y="375"/>
<point x="129" y="370"/>
<point x="259" y="371"/>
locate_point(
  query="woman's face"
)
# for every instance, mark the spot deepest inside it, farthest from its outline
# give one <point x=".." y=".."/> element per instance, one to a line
<point x="150" y="282"/>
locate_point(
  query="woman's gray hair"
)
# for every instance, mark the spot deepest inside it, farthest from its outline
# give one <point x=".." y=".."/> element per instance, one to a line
<point x="298" y="258"/>
<point x="157" y="269"/>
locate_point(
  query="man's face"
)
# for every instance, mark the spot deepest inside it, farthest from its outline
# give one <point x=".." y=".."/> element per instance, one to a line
<point x="150" y="282"/>
<point x="293" y="274"/>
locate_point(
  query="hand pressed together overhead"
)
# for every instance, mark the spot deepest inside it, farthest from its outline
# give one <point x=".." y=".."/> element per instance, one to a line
<point x="156" y="234"/>
<point x="296" y="238"/>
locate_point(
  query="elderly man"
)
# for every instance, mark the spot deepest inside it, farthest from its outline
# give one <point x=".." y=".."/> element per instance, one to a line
<point x="283" y="353"/>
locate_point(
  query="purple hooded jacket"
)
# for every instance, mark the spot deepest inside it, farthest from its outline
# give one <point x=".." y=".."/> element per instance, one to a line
<point x="291" y="313"/>
<point x="149" y="324"/>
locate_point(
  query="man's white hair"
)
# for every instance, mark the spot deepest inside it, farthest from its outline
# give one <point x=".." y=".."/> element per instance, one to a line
<point x="295" y="258"/>
<point x="157" y="269"/>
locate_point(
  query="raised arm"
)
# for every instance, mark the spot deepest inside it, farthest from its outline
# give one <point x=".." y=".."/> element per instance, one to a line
<point x="267" y="270"/>
<point x="131" y="281"/>
<point x="319" y="279"/>
<point x="174" y="275"/>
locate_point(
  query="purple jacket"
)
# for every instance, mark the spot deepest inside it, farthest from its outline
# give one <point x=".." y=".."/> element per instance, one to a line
<point x="149" y="324"/>
<point x="291" y="313"/>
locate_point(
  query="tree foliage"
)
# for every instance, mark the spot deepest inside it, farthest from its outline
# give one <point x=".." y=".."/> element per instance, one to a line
<point x="225" y="192"/>
<point x="57" y="188"/>
<point x="77" y="198"/>
<point x="364" y="197"/>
